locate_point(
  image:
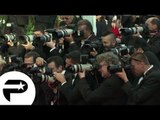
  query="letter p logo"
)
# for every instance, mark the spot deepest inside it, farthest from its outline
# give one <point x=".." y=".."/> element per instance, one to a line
<point x="16" y="88"/>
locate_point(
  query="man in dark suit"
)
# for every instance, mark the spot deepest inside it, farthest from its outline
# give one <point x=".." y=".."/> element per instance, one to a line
<point x="146" y="92"/>
<point x="109" y="92"/>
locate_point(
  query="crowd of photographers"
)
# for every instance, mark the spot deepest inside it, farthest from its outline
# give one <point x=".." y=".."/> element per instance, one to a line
<point x="71" y="65"/>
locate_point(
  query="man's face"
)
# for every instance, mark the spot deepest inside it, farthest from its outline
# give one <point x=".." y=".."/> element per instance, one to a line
<point x="136" y="67"/>
<point x="52" y="65"/>
<point x="107" y="42"/>
<point x="103" y="70"/>
<point x="29" y="62"/>
<point x="84" y="29"/>
<point x="38" y="33"/>
<point x="68" y="62"/>
<point x="67" y="19"/>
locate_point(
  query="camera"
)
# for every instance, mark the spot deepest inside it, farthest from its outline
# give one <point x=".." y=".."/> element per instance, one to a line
<point x="44" y="70"/>
<point x="118" y="68"/>
<point x="15" y="63"/>
<point x="65" y="31"/>
<point x="24" y="38"/>
<point x="89" y="46"/>
<point x="43" y="74"/>
<point x="8" y="37"/>
<point x="122" y="50"/>
<point x="86" y="63"/>
<point x="81" y="67"/>
<point x="133" y="30"/>
<point x="46" y="37"/>
<point x="29" y="38"/>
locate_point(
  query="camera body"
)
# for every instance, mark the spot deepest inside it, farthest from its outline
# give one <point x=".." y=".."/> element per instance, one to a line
<point x="118" y="68"/>
<point x="122" y="50"/>
<point x="13" y="63"/>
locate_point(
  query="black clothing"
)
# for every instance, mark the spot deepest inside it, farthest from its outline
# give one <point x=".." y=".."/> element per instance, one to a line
<point x="147" y="92"/>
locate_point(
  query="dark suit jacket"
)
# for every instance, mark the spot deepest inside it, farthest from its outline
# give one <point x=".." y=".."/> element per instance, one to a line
<point x="109" y="92"/>
<point x="147" y="92"/>
<point x="154" y="44"/>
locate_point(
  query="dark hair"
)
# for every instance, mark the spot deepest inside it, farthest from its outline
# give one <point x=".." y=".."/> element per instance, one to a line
<point x="87" y="23"/>
<point x="140" y="43"/>
<point x="57" y="60"/>
<point x="40" y="28"/>
<point x="141" y="57"/>
<point x="107" y="33"/>
<point x="32" y="54"/>
<point x="74" y="55"/>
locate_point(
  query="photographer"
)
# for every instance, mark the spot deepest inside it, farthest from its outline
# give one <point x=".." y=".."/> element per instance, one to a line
<point x="42" y="44"/>
<point x="76" y="62"/>
<point x="140" y="45"/>
<point x="153" y="24"/>
<point x="88" y="42"/>
<point x="146" y="92"/>
<point x="69" y="19"/>
<point x="32" y="59"/>
<point x="108" y="41"/>
<point x="109" y="92"/>
<point x="56" y="63"/>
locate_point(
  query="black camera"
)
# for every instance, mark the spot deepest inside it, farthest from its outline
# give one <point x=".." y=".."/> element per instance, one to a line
<point x="89" y="46"/>
<point x="122" y="50"/>
<point x="44" y="70"/>
<point x="133" y="30"/>
<point x="46" y="38"/>
<point x="118" y="68"/>
<point x="15" y="63"/>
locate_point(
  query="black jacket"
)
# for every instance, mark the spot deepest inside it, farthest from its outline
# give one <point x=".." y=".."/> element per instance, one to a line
<point x="147" y="92"/>
<point x="109" y="92"/>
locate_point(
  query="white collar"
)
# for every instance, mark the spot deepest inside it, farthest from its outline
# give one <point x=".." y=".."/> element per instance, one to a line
<point x="148" y="69"/>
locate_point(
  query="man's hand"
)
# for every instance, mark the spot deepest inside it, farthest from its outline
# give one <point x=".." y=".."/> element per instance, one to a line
<point x="93" y="52"/>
